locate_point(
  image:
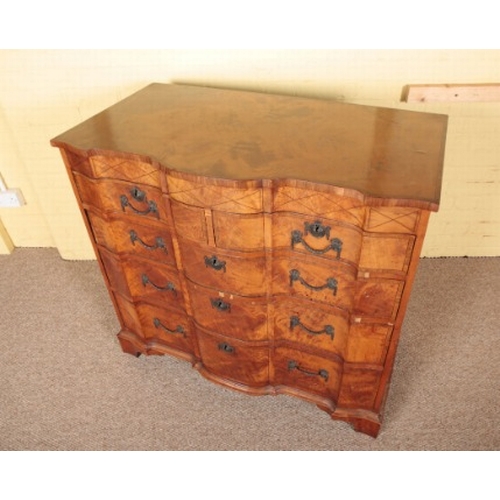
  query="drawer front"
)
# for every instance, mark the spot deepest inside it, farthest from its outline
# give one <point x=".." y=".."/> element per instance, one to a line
<point x="126" y="169"/>
<point x="232" y="315"/>
<point x="317" y="237"/>
<point x="190" y="222"/>
<point x="317" y="279"/>
<point x="222" y="195"/>
<point x="143" y="279"/>
<point x="307" y="372"/>
<point x="243" y="232"/>
<point x="359" y="388"/>
<point x="378" y="299"/>
<point x="169" y="326"/>
<point x="234" y="360"/>
<point x="123" y="235"/>
<point x="230" y="271"/>
<point x="392" y="220"/>
<point x="306" y="323"/>
<point x="119" y="196"/>
<point x="328" y="329"/>
<point x="317" y="204"/>
<point x="386" y="253"/>
<point x="368" y="343"/>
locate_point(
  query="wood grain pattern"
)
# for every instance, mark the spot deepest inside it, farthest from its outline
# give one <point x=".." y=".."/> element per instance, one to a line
<point x="224" y="269"/>
<point x="106" y="196"/>
<point x="284" y="240"/>
<point x="234" y="315"/>
<point x="230" y="134"/>
<point x="123" y="235"/>
<point x="230" y="358"/>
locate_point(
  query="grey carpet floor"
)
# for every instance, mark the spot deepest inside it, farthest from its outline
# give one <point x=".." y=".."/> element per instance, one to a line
<point x="66" y="385"/>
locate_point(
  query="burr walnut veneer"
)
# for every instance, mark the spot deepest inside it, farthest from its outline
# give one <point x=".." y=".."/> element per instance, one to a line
<point x="271" y="241"/>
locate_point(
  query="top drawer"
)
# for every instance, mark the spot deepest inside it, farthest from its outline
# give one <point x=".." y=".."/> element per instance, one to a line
<point x="114" y="167"/>
<point x="217" y="194"/>
<point x="393" y="220"/>
<point x="119" y="196"/>
<point x="320" y="204"/>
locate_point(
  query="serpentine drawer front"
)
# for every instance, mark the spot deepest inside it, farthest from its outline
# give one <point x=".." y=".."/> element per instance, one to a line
<point x="270" y="241"/>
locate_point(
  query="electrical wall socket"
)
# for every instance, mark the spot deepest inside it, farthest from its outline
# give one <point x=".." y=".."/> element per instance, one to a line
<point x="11" y="198"/>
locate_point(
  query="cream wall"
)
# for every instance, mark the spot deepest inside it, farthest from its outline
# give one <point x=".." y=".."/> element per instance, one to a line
<point x="43" y="93"/>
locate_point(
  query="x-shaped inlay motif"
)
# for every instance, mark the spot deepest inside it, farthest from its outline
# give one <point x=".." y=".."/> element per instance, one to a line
<point x="134" y="170"/>
<point x="217" y="197"/>
<point x="315" y="203"/>
<point x="405" y="219"/>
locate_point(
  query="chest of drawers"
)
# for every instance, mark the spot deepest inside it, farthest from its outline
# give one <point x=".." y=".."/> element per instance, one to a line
<point x="271" y="241"/>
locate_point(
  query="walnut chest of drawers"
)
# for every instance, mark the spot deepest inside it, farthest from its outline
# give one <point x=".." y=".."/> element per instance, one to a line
<point x="271" y="241"/>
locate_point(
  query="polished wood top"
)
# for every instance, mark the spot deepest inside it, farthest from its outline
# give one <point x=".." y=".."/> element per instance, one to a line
<point x="380" y="152"/>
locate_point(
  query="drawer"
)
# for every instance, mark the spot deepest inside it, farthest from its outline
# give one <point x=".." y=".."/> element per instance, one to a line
<point x="318" y="204"/>
<point x="143" y="279"/>
<point x="317" y="236"/>
<point x="190" y="222"/>
<point x="314" y="278"/>
<point x="169" y="326"/>
<point x="234" y="360"/>
<point x="243" y="232"/>
<point x="311" y="324"/>
<point x="127" y="168"/>
<point x="122" y="234"/>
<point x="328" y="329"/>
<point x="359" y="388"/>
<point x="242" y="197"/>
<point x="232" y="315"/>
<point x="368" y="343"/>
<point x="151" y="281"/>
<point x="377" y="299"/>
<point x="392" y="220"/>
<point x="235" y="272"/>
<point x="307" y="372"/>
<point x="389" y="253"/>
<point x="118" y="196"/>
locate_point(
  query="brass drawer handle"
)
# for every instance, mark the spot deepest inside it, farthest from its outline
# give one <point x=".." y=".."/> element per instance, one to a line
<point x="169" y="287"/>
<point x="317" y="230"/>
<point x="158" y="244"/>
<point x="226" y="348"/>
<point x="327" y="330"/>
<point x="220" y="305"/>
<point x="215" y="263"/>
<point x="335" y="244"/>
<point x="178" y="330"/>
<point x="331" y="283"/>
<point x="141" y="197"/>
<point x="293" y="365"/>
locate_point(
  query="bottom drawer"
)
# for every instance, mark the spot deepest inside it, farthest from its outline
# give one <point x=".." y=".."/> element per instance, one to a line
<point x="359" y="388"/>
<point x="167" y="326"/>
<point x="231" y="359"/>
<point x="308" y="372"/>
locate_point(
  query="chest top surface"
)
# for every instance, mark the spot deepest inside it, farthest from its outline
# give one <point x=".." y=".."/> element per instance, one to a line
<point x="379" y="152"/>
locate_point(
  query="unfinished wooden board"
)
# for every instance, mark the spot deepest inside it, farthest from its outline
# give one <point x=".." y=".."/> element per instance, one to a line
<point x="474" y="92"/>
